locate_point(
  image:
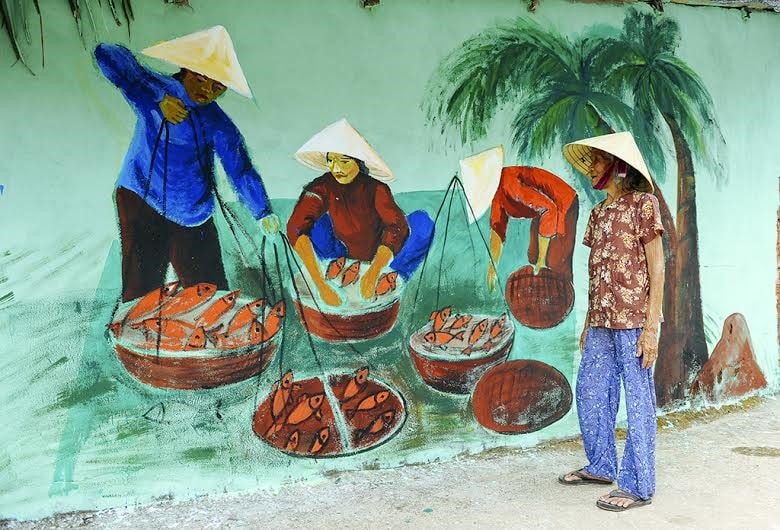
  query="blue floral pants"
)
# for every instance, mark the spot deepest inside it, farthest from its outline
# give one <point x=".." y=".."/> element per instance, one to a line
<point x="609" y="356"/>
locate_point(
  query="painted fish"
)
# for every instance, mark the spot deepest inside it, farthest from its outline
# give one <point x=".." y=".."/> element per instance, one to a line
<point x="245" y="315"/>
<point x="440" y="318"/>
<point x="281" y="394"/>
<point x="335" y="267"/>
<point x="167" y="327"/>
<point x="273" y="322"/>
<point x="319" y="442"/>
<point x="254" y="335"/>
<point x="440" y="338"/>
<point x="356" y="384"/>
<point x="292" y="442"/>
<point x="215" y="311"/>
<point x="386" y="283"/>
<point x="475" y="335"/>
<point x="495" y="331"/>
<point x="460" y="321"/>
<point x="305" y="409"/>
<point x="351" y="275"/>
<point x="187" y="300"/>
<point x="196" y="341"/>
<point x="376" y="426"/>
<point x="369" y="403"/>
<point x="151" y="301"/>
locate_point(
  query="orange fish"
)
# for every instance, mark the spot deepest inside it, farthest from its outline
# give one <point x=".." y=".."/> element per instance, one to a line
<point x="369" y="403"/>
<point x="215" y="311"/>
<point x="351" y="275"/>
<point x="386" y="283"/>
<point x="476" y="334"/>
<point x="460" y="321"/>
<point x="254" y="335"/>
<point x="281" y="394"/>
<point x="440" y="338"/>
<point x="335" y="268"/>
<point x="273" y="322"/>
<point x="356" y="384"/>
<point x="440" y="318"/>
<point x="319" y="442"/>
<point x="151" y="301"/>
<point x="498" y="325"/>
<point x="187" y="300"/>
<point x="378" y="424"/>
<point x="167" y="327"/>
<point x="245" y="315"/>
<point x="292" y="442"/>
<point x="307" y="407"/>
<point x="196" y="341"/>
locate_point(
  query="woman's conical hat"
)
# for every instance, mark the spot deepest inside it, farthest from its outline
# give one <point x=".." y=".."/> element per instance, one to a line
<point x="209" y="52"/>
<point x="622" y="145"/>
<point x="341" y="137"/>
<point x="481" y="175"/>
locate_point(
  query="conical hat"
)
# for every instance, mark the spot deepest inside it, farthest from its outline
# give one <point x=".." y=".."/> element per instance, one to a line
<point x="341" y="137"/>
<point x="481" y="175"/>
<point x="622" y="145"/>
<point x="209" y="52"/>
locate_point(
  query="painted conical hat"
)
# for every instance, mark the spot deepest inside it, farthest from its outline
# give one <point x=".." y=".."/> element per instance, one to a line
<point x="622" y="145"/>
<point x="481" y="175"/>
<point x="341" y="137"/>
<point x="209" y="52"/>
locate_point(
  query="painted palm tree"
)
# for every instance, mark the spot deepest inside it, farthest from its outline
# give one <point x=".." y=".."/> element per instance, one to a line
<point x="559" y="92"/>
<point x="554" y="84"/>
<point x="666" y="90"/>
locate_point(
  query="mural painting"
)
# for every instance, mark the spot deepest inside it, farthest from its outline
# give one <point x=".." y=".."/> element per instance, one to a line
<point x="369" y="317"/>
<point x="601" y="83"/>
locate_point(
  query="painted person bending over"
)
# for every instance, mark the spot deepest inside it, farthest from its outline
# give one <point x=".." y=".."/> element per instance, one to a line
<point x="620" y="336"/>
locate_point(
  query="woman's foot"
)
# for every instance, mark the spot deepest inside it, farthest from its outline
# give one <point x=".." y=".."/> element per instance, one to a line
<point x="619" y="500"/>
<point x="580" y="476"/>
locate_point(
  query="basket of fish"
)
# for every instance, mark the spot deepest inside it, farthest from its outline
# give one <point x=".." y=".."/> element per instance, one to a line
<point x="196" y="337"/>
<point x="356" y="318"/>
<point x="336" y="415"/>
<point x="452" y="351"/>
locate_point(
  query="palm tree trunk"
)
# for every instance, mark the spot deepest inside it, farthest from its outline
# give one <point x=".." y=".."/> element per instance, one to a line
<point x="686" y="351"/>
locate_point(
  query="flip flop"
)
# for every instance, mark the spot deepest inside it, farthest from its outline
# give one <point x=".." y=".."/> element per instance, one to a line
<point x="620" y="494"/>
<point x="584" y="479"/>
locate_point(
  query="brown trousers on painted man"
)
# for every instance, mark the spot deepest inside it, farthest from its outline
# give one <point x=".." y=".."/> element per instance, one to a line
<point x="150" y="242"/>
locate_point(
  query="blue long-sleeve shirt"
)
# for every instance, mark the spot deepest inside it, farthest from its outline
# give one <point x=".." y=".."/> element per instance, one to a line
<point x="183" y="189"/>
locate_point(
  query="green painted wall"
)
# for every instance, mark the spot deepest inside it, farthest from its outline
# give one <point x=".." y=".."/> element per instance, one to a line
<point x="75" y="441"/>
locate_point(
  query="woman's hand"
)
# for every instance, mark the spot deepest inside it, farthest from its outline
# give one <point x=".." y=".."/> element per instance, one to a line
<point x="647" y="348"/>
<point x="173" y="109"/>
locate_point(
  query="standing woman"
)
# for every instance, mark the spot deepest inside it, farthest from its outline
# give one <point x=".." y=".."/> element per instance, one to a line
<point x="620" y="336"/>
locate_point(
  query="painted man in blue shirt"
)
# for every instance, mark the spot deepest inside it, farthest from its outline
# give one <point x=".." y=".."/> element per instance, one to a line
<point x="165" y="193"/>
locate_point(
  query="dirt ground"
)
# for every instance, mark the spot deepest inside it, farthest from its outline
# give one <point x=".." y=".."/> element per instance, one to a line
<point x="715" y="470"/>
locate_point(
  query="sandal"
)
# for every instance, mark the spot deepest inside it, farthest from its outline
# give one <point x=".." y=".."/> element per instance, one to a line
<point x="620" y="494"/>
<point x="583" y="479"/>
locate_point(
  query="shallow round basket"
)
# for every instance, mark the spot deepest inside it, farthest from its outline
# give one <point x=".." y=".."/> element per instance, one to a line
<point x="521" y="396"/>
<point x="349" y="429"/>
<point x="354" y="320"/>
<point x="200" y="369"/>
<point x="539" y="301"/>
<point x="456" y="373"/>
<point x="195" y="369"/>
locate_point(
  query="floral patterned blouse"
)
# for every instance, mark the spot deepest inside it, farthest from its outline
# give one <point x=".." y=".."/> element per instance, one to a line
<point x="619" y="280"/>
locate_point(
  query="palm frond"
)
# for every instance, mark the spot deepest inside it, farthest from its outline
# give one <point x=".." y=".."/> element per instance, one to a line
<point x="18" y="16"/>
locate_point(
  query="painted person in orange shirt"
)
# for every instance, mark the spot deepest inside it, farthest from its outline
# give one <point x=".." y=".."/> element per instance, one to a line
<point x="620" y="336"/>
<point x="551" y="204"/>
